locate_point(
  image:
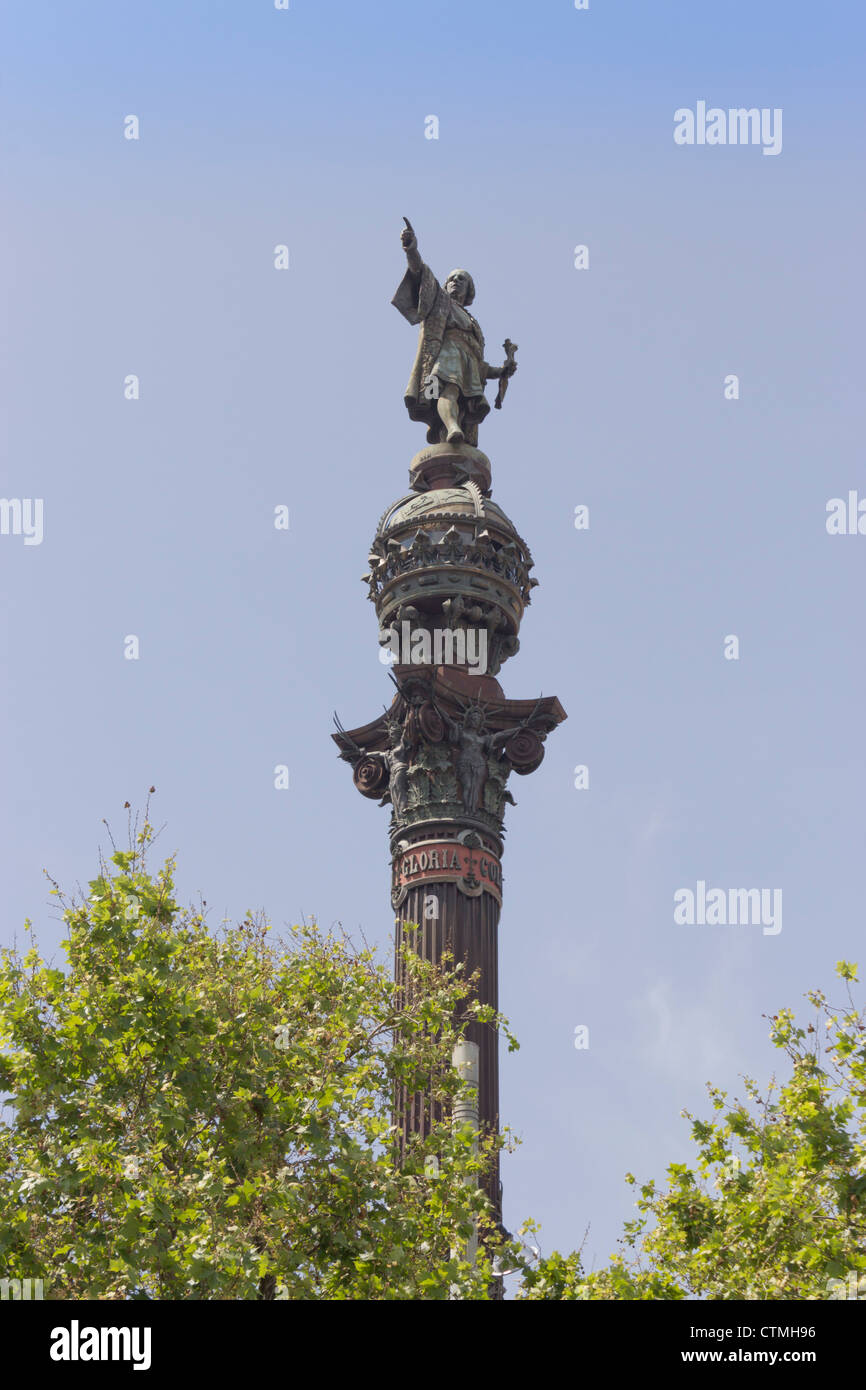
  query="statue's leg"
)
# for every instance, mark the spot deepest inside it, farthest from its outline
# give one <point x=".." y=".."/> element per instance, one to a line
<point x="448" y="412"/>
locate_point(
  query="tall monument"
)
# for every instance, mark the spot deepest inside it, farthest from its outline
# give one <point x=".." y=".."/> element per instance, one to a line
<point x="450" y="578"/>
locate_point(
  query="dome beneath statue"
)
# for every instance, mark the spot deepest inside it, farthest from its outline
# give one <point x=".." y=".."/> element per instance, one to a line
<point x="449" y="559"/>
<point x="463" y="507"/>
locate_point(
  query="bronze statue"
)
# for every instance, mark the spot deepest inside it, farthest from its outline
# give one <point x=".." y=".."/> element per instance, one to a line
<point x="473" y="748"/>
<point x="446" y="388"/>
<point x="398" y="759"/>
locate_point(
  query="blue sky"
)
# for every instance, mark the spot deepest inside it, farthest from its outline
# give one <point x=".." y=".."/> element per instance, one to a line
<point x="707" y="516"/>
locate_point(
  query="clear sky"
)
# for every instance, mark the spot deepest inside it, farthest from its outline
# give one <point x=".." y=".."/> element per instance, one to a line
<point x="261" y="387"/>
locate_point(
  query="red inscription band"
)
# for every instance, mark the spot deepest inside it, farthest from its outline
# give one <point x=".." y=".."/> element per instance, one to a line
<point x="475" y="871"/>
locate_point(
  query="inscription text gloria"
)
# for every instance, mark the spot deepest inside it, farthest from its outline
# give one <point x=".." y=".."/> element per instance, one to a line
<point x="475" y="870"/>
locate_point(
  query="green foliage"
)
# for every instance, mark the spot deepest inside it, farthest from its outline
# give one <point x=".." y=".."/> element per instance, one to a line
<point x="205" y="1115"/>
<point x="208" y="1115"/>
<point x="775" y="1205"/>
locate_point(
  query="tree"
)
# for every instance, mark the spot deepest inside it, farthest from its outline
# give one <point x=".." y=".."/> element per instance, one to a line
<point x="775" y="1205"/>
<point x="207" y="1115"/>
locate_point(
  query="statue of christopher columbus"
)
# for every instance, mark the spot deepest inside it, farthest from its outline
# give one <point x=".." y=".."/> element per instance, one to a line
<point x="446" y="388"/>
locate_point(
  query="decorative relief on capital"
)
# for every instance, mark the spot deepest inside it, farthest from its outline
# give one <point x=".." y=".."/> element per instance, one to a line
<point x="435" y="756"/>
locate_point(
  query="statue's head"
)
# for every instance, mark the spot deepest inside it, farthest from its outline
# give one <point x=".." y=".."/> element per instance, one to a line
<point x="460" y="286"/>
<point x="474" y="717"/>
